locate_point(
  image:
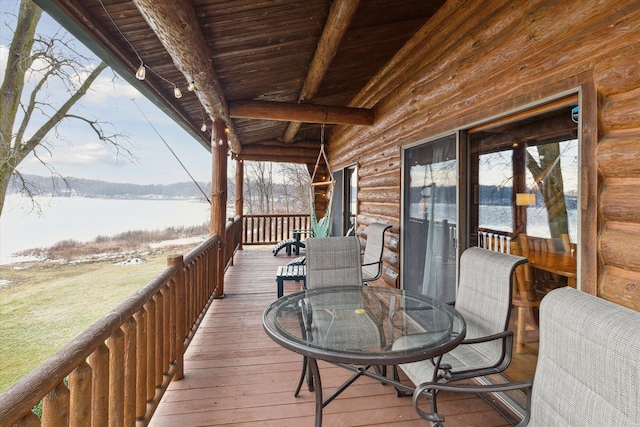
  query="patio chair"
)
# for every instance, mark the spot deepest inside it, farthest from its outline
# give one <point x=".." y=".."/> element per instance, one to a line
<point x="296" y="269"/>
<point x="302" y="260"/>
<point x="372" y="258"/>
<point x="588" y="369"/>
<point x="484" y="300"/>
<point x="334" y="262"/>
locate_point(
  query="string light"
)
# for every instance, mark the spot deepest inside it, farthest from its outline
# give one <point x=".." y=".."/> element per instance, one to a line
<point x="203" y="128"/>
<point x="141" y="73"/>
<point x="142" y="69"/>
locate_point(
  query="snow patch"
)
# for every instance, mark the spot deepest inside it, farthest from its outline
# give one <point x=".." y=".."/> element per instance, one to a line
<point x="178" y="242"/>
<point x="131" y="261"/>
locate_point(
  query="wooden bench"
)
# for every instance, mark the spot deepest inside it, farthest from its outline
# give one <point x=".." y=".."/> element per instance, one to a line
<point x="290" y="272"/>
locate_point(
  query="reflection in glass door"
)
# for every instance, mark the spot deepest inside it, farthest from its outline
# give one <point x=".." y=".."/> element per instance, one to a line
<point x="523" y="199"/>
<point x="429" y="219"/>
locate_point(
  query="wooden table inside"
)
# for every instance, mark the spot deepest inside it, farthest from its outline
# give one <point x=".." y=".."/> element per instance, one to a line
<point x="557" y="263"/>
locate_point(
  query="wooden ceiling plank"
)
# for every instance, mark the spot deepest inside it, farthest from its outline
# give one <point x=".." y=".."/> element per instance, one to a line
<point x="307" y="113"/>
<point x="340" y="16"/>
<point x="177" y="28"/>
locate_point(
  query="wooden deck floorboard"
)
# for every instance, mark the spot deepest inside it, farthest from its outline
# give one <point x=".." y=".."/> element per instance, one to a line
<point x="235" y="375"/>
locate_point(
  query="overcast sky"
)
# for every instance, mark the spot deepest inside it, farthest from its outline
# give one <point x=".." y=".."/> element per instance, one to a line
<point x="77" y="151"/>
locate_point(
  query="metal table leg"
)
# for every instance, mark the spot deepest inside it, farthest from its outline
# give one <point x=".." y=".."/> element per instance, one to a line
<point x="315" y="373"/>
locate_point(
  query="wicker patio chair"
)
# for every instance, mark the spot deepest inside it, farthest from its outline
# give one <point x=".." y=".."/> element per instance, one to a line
<point x="588" y="369"/>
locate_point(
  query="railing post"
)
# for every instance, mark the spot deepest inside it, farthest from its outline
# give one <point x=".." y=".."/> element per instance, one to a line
<point x="217" y="225"/>
<point x="177" y="261"/>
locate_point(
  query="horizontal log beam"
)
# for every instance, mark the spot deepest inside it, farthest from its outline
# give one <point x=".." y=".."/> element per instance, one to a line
<point x="307" y="113"/>
<point x="276" y="151"/>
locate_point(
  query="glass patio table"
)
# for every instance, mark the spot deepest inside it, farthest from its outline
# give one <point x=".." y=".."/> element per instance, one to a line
<point x="355" y="327"/>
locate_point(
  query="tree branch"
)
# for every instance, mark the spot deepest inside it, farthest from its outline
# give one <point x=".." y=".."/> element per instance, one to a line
<point x="63" y="110"/>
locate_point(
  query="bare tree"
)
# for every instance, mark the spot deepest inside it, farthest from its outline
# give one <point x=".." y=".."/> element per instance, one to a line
<point x="259" y="178"/>
<point x="43" y="59"/>
<point x="296" y="187"/>
<point x="548" y="178"/>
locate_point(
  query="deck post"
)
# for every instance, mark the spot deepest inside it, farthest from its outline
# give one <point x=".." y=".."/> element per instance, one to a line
<point x="179" y="333"/>
<point x="219" y="147"/>
<point x="239" y="193"/>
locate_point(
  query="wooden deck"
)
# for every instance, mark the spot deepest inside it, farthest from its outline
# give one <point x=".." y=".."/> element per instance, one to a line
<point x="235" y="375"/>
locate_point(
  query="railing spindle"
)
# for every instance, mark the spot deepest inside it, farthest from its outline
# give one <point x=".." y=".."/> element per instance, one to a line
<point x="150" y="309"/>
<point x="166" y="331"/>
<point x="55" y="407"/>
<point x="29" y="420"/>
<point x="129" y="411"/>
<point x="181" y="335"/>
<point x="80" y="389"/>
<point x="158" y="299"/>
<point x="99" y="362"/>
<point x="141" y="363"/>
<point x="116" y="379"/>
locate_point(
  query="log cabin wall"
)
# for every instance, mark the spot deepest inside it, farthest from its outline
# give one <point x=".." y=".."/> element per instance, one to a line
<point x="477" y="59"/>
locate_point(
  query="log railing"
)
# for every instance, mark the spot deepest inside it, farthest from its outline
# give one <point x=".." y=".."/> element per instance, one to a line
<point x="270" y="229"/>
<point x="116" y="371"/>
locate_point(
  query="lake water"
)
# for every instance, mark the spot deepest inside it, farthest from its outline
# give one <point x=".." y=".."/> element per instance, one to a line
<point x="83" y="219"/>
<point x="500" y="218"/>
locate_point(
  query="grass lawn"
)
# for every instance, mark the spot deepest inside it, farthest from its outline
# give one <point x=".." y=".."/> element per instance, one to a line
<point x="46" y="305"/>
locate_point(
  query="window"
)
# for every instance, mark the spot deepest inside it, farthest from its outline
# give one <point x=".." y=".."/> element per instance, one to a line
<point x="345" y="201"/>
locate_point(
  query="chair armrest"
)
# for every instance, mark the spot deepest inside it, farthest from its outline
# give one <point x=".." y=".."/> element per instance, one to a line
<point x="371" y="263"/>
<point x="428" y="388"/>
<point x="498" y="336"/>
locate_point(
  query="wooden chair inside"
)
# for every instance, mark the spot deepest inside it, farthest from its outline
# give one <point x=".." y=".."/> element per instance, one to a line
<point x="525" y="299"/>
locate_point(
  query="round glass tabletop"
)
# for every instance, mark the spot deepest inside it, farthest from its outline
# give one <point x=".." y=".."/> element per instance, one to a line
<point x="364" y="325"/>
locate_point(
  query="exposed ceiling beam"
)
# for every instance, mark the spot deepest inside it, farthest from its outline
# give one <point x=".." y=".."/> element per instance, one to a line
<point x="340" y="16"/>
<point x="307" y="113"/>
<point x="176" y="26"/>
<point x="305" y="152"/>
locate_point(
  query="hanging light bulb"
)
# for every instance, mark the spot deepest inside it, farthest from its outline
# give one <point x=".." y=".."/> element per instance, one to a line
<point x="176" y="92"/>
<point x="220" y="141"/>
<point x="203" y="128"/>
<point x="142" y="71"/>
<point x="191" y="87"/>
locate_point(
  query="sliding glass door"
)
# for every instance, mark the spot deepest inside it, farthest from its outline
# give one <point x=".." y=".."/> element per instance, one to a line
<point x="429" y="218"/>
